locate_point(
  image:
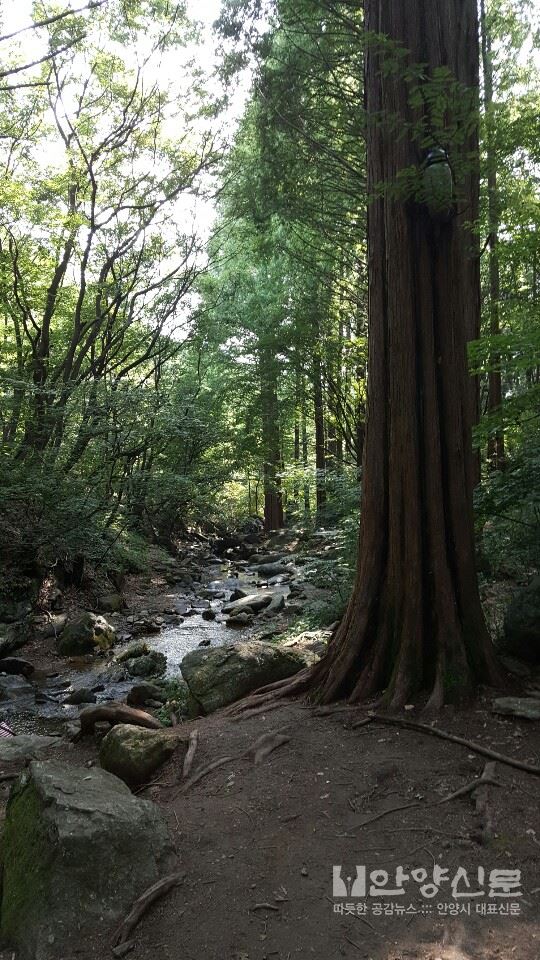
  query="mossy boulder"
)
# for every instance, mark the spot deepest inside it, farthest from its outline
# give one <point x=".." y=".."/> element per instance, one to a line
<point x="134" y="753"/>
<point x="221" y="675"/>
<point x="522" y="624"/>
<point x="78" y="849"/>
<point x="140" y="661"/>
<point x="86" y="634"/>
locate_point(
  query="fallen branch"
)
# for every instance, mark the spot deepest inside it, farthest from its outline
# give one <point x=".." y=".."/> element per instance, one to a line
<point x="265" y="906"/>
<point x="190" y="755"/>
<point x="476" y="747"/>
<point x="141" y="905"/>
<point x="114" y="713"/>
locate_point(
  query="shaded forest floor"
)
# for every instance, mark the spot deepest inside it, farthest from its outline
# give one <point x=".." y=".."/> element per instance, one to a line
<point x="257" y="843"/>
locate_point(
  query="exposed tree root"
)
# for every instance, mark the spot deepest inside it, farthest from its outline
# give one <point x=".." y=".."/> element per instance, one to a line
<point x="486" y="778"/>
<point x="190" y="755"/>
<point x="142" y="904"/>
<point x="114" y="713"/>
<point x="483" y="808"/>
<point x="385" y="813"/>
<point x="206" y="770"/>
<point x="271" y="692"/>
<point x="476" y="747"/>
<point x="266" y="744"/>
<point x="258" y="710"/>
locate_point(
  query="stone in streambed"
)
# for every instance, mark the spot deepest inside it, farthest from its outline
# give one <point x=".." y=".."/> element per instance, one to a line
<point x="25" y="747"/>
<point x="16" y="666"/>
<point x="85" y="634"/>
<point x="142" y="693"/>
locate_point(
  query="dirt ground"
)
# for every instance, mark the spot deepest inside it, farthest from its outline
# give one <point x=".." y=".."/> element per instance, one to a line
<point x="257" y="843"/>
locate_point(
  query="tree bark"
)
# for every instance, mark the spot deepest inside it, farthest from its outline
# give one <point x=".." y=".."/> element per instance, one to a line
<point x="495" y="452"/>
<point x="415" y="623"/>
<point x="273" y="498"/>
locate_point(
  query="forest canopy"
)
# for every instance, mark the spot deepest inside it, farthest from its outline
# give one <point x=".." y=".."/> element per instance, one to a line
<point x="158" y="374"/>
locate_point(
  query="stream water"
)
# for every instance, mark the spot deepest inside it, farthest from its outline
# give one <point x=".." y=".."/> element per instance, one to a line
<point x="38" y="705"/>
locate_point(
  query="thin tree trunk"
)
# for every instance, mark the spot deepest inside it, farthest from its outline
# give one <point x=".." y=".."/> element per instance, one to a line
<point x="414" y="625"/>
<point x="318" y="400"/>
<point x="495" y="453"/>
<point x="273" y="498"/>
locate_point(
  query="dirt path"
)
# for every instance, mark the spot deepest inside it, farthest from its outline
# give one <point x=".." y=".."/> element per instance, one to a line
<point x="258" y="843"/>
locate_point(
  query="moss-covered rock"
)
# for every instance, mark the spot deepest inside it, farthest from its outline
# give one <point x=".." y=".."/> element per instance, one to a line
<point x="85" y="634"/>
<point x="220" y="675"/>
<point x="134" y="754"/>
<point x="153" y="664"/>
<point x="77" y="850"/>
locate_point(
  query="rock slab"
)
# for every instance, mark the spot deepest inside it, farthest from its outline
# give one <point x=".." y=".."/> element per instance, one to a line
<point x="526" y="707"/>
<point x="78" y="849"/>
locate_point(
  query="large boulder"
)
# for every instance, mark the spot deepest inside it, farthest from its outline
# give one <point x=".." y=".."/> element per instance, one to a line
<point x="134" y="754"/>
<point x="522" y="623"/>
<point x="85" y="634"/>
<point x="78" y="849"/>
<point x="221" y="675"/>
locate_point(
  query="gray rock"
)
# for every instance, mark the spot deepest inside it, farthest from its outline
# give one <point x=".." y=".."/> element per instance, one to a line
<point x="139" y="649"/>
<point x="527" y="708"/>
<point x="242" y="619"/>
<point x="256" y="559"/>
<point x="13" y="636"/>
<point x="16" y="666"/>
<point x="17" y="693"/>
<point x="110" y="603"/>
<point x="274" y="569"/>
<point x="276" y="604"/>
<point x="25" y="747"/>
<point x="141" y="693"/>
<point x="221" y="675"/>
<point x="253" y="602"/>
<point x="77" y="850"/>
<point x="50" y="626"/>
<point x="82" y="695"/>
<point x="85" y="634"/>
<point x="153" y="664"/>
<point x="209" y="614"/>
<point x="134" y="754"/>
<point x="522" y="624"/>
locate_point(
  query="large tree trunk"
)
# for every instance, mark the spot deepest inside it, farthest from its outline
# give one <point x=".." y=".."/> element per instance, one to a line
<point x="414" y="622"/>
